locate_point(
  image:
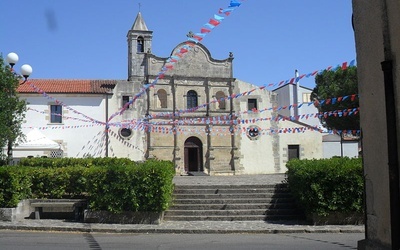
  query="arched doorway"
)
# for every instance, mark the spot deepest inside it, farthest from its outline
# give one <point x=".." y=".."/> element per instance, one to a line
<point x="193" y="155"/>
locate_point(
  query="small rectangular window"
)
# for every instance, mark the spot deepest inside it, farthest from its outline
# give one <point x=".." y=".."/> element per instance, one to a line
<point x="252" y="104"/>
<point x="55" y="113"/>
<point x="125" y="100"/>
<point x="293" y="152"/>
<point x="306" y="97"/>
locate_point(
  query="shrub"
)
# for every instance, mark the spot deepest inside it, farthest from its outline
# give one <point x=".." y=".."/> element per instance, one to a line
<point x="78" y="162"/>
<point x="77" y="182"/>
<point x="57" y="183"/>
<point x="327" y="185"/>
<point x="118" y="185"/>
<point x="111" y="189"/>
<point x="15" y="185"/>
<point x="155" y="186"/>
<point x="145" y="187"/>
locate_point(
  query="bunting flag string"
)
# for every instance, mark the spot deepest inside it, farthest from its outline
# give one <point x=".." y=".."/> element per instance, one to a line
<point x="224" y="131"/>
<point x="40" y="91"/>
<point x="333" y="100"/>
<point x="215" y="131"/>
<point x="345" y="132"/>
<point x="192" y="40"/>
<point x="124" y="142"/>
<point x="55" y="114"/>
<point x="53" y="127"/>
<point x="169" y="114"/>
<point x="342" y="66"/>
<point x="233" y="120"/>
<point x="212" y="121"/>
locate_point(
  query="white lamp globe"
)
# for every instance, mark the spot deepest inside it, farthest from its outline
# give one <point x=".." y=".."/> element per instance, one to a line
<point x="26" y="70"/>
<point x="12" y="58"/>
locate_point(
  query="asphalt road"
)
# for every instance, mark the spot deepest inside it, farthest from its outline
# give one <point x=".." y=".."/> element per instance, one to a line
<point x="58" y="241"/>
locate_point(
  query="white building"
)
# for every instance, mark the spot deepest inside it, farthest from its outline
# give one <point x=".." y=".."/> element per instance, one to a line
<point x="298" y="106"/>
<point x="196" y="115"/>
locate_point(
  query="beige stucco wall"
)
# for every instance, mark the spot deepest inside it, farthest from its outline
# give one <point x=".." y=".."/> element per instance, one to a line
<point x="135" y="146"/>
<point x="256" y="156"/>
<point x="268" y="154"/>
<point x="309" y="140"/>
<point x="370" y="18"/>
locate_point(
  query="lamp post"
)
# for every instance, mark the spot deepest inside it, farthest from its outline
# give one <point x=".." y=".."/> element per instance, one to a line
<point x="26" y="71"/>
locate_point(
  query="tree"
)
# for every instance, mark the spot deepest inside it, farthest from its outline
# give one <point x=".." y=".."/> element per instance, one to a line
<point x="337" y="84"/>
<point x="12" y="110"/>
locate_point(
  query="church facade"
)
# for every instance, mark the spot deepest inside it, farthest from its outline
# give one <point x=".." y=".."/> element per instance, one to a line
<point x="197" y="114"/>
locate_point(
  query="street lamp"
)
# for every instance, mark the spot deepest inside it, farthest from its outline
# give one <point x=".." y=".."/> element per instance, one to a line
<point x="26" y="69"/>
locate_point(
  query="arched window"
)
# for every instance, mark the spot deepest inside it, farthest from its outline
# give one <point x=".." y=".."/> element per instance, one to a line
<point x="220" y="96"/>
<point x="140" y="44"/>
<point x="162" y="98"/>
<point x="191" y="99"/>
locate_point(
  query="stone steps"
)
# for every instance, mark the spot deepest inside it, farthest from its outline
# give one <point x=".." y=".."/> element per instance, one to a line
<point x="232" y="212"/>
<point x="230" y="191"/>
<point x="234" y="206"/>
<point x="230" y="196"/>
<point x="233" y="218"/>
<point x="214" y="186"/>
<point x="232" y="203"/>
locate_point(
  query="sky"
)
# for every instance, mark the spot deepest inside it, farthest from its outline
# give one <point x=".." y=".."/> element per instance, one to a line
<point x="86" y="39"/>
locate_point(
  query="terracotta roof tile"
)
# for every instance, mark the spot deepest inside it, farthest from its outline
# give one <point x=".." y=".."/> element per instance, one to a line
<point x="68" y="86"/>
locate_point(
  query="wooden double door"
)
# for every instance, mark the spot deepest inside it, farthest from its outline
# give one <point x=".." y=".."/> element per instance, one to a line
<point x="193" y="155"/>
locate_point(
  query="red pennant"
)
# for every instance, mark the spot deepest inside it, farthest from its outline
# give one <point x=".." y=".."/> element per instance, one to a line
<point x="198" y="38"/>
<point x="214" y="22"/>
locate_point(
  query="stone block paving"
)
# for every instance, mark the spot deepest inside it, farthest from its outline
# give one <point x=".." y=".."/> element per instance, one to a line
<point x="180" y="227"/>
<point x="191" y="227"/>
<point x="230" y="180"/>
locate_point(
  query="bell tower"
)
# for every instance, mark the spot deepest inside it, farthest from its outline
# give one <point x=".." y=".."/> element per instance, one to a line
<point x="139" y="43"/>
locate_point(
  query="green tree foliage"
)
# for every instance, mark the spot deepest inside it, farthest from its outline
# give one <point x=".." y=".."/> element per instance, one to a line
<point x="326" y="186"/>
<point x="12" y="109"/>
<point x="335" y="84"/>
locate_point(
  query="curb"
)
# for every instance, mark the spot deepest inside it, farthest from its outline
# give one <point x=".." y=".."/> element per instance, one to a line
<point x="85" y="229"/>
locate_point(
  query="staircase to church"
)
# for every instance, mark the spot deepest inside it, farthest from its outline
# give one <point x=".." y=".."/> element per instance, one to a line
<point x="233" y="203"/>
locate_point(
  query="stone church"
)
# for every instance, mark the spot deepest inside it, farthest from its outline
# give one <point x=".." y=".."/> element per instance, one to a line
<point x="197" y="114"/>
<point x="229" y="135"/>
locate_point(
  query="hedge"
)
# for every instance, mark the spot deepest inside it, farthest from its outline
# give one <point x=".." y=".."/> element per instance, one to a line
<point x="122" y="185"/>
<point x="77" y="162"/>
<point x="148" y="188"/>
<point x="326" y="186"/>
<point x="15" y="185"/>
